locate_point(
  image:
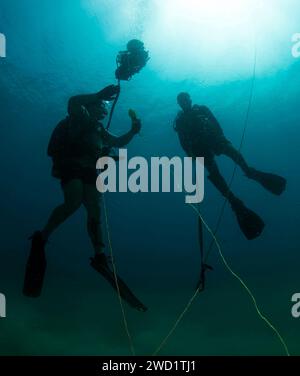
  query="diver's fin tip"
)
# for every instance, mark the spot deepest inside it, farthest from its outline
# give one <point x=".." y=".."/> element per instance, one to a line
<point x="35" y="267"/>
<point x="273" y="183"/>
<point x="250" y="223"/>
<point x="142" y="309"/>
<point x="118" y="285"/>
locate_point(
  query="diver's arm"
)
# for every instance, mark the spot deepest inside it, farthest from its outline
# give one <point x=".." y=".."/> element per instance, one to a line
<point x="79" y="115"/>
<point x="78" y="102"/>
<point x="121" y="141"/>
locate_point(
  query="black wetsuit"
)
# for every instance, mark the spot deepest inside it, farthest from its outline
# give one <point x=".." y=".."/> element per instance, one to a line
<point x="77" y="143"/>
<point x="201" y="135"/>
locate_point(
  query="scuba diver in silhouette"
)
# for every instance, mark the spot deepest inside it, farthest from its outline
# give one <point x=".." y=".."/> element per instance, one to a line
<point x="201" y="135"/>
<point x="75" y="146"/>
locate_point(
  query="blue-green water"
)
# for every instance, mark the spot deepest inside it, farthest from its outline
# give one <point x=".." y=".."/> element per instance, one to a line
<point x="56" y="49"/>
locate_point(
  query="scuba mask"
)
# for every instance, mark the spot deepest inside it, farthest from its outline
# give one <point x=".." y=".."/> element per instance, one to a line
<point x="132" y="60"/>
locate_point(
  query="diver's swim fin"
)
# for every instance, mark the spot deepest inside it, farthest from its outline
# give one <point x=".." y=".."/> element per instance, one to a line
<point x="250" y="223"/>
<point x="125" y="293"/>
<point x="36" y="267"/>
<point x="273" y="183"/>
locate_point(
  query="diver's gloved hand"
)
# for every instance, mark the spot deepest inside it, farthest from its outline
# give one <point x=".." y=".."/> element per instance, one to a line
<point x="136" y="126"/>
<point x="109" y="92"/>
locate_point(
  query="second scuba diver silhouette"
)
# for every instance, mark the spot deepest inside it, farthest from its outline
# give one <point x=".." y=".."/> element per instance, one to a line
<point x="201" y="135"/>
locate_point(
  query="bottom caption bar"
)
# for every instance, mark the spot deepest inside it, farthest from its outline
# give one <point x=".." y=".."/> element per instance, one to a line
<point x="140" y="365"/>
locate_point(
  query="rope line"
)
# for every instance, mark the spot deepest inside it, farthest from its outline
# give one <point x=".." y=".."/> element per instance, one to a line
<point x="244" y="285"/>
<point x="125" y="322"/>
<point x="113" y="107"/>
<point x="177" y="322"/>
<point x="250" y="102"/>
<point x="235" y="275"/>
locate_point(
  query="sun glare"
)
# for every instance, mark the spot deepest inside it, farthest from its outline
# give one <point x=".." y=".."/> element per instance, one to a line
<point x="196" y="38"/>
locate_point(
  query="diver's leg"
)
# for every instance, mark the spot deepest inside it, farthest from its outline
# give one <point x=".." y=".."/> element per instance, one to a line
<point x="73" y="196"/>
<point x="230" y="151"/>
<point x="273" y="183"/>
<point x="218" y="181"/>
<point x="250" y="223"/>
<point x="36" y="264"/>
<point x="92" y="203"/>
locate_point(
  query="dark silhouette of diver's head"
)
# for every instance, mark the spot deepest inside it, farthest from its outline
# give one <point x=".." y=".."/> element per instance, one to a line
<point x="97" y="111"/>
<point x="184" y="101"/>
